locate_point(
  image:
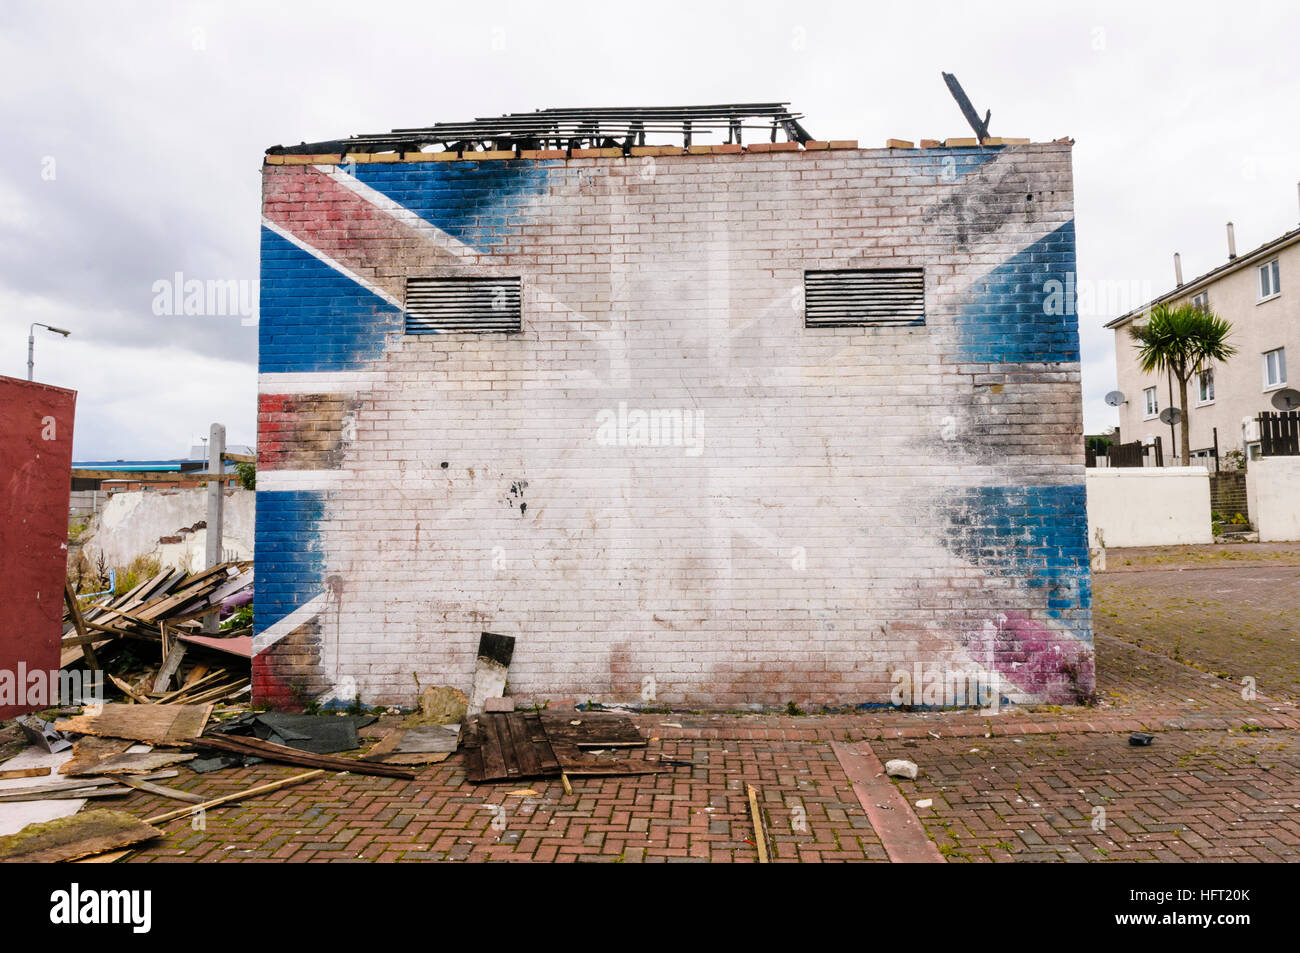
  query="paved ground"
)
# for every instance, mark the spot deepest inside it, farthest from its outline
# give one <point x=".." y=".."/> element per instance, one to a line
<point x="1232" y="610"/>
<point x="1221" y="782"/>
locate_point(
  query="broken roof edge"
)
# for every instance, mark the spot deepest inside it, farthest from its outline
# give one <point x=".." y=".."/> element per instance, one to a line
<point x="596" y="127"/>
<point x="615" y="152"/>
<point x="1204" y="280"/>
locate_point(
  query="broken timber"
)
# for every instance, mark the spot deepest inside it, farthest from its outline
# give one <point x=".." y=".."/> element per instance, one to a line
<point x="285" y="755"/>
<point x="152" y="724"/>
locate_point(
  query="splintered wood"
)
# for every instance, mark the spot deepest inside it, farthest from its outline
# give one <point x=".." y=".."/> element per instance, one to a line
<point x="151" y="724"/>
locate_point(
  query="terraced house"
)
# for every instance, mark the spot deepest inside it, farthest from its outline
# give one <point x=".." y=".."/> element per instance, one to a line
<point x="718" y="423"/>
<point x="1259" y="292"/>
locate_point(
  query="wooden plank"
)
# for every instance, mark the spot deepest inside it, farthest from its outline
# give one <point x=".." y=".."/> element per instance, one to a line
<point x="548" y="762"/>
<point x="237" y="796"/>
<point x="214" y="694"/>
<point x="11" y="774"/>
<point x="152" y="724"/>
<point x="514" y="756"/>
<point x="81" y="835"/>
<point x="150" y="476"/>
<point x="285" y="755"/>
<point x="91" y="750"/>
<point x="75" y="794"/>
<point x="206" y="679"/>
<point x="494" y="764"/>
<point x="472" y="751"/>
<point x="760" y="831"/>
<point x="593" y="729"/>
<point x="143" y="762"/>
<point x="175" y="655"/>
<point x="128" y="690"/>
<point x="74" y="611"/>
<point x="111" y="857"/>
<point x="159" y="789"/>
<point x="526" y="757"/>
<point x="58" y="789"/>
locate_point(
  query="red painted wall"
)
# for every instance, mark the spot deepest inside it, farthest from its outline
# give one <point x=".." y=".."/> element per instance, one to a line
<point x="35" y="465"/>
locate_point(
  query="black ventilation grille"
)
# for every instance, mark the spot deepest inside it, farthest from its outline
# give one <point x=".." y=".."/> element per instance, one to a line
<point x="449" y="305"/>
<point x="852" y="298"/>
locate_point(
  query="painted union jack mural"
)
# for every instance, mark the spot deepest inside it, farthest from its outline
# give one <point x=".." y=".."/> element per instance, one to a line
<point x="667" y="484"/>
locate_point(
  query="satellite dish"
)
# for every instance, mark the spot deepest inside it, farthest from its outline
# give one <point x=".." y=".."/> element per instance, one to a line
<point x="1115" y="398"/>
<point x="1170" y="415"/>
<point x="1288" y="398"/>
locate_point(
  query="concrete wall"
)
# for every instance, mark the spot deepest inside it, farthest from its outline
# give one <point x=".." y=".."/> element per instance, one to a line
<point x="1153" y="506"/>
<point x="1273" y="488"/>
<point x="35" y="474"/>
<point x="84" y="504"/>
<point x="170" y="524"/>
<point x="828" y="505"/>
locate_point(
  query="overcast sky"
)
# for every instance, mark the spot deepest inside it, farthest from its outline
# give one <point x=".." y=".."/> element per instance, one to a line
<point x="134" y="135"/>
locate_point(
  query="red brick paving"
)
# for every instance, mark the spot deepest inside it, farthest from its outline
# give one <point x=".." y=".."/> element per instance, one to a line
<point x="1221" y="782"/>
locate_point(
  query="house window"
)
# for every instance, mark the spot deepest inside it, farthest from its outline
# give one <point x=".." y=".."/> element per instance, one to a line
<point x="450" y="305"/>
<point x="1269" y="280"/>
<point x="1201" y="301"/>
<point x="1206" y="382"/>
<point x="863" y="296"/>
<point x="1151" y="402"/>
<point x="1274" y="368"/>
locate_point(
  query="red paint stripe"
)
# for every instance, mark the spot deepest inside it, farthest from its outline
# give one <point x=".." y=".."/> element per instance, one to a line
<point x="337" y="222"/>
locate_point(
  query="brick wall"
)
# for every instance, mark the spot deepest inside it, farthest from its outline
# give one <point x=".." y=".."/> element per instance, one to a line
<point x="666" y="486"/>
<point x="1228" y="494"/>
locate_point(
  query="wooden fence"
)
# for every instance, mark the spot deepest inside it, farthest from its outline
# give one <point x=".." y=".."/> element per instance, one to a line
<point x="1279" y="433"/>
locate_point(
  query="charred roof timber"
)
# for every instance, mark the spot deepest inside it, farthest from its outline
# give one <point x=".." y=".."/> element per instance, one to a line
<point x="616" y="127"/>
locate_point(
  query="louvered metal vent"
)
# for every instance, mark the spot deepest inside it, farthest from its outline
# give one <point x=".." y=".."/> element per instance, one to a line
<point x="448" y="305"/>
<point x="851" y="298"/>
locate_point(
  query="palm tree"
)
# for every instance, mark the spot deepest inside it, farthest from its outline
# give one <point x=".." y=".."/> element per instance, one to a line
<point x="1181" y="339"/>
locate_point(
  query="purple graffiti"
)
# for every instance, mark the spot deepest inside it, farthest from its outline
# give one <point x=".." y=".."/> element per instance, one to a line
<point x="1051" y="666"/>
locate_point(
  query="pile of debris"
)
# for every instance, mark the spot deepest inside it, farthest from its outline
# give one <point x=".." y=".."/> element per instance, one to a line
<point x="116" y="749"/>
<point x="164" y="618"/>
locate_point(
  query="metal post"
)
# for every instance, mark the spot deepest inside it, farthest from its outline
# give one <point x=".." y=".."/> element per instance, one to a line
<point x="216" y="508"/>
<point x="31" y="348"/>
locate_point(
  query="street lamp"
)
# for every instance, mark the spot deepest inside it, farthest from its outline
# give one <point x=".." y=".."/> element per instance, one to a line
<point x="31" y="342"/>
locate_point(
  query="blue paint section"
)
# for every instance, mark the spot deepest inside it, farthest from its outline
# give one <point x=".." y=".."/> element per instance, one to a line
<point x="312" y="318"/>
<point x="948" y="165"/>
<point x="289" y="568"/>
<point x="479" y="203"/>
<point x="1038" y="533"/>
<point x="1023" y="310"/>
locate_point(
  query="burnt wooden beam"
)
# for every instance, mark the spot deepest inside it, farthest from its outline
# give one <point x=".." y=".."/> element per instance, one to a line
<point x="981" y="126"/>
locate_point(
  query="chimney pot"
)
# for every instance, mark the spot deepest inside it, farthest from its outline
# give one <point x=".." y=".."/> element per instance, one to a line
<point x="1232" y="243"/>
<point x="1178" y="269"/>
